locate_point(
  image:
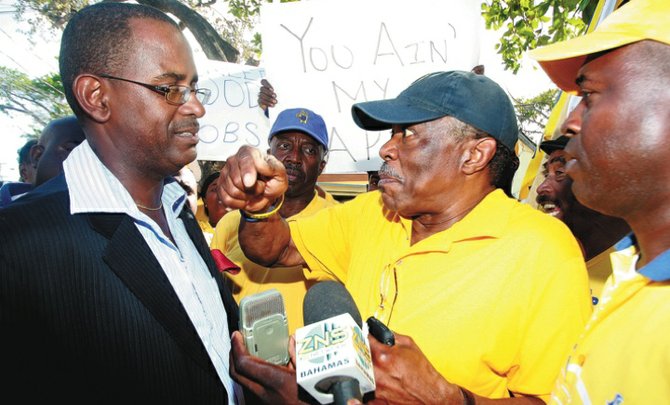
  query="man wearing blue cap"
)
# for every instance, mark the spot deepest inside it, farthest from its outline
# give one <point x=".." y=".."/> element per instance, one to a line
<point x="298" y="139"/>
<point x="491" y="291"/>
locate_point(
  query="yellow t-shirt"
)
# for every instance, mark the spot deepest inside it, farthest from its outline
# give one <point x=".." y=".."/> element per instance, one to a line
<point x="495" y="302"/>
<point x="203" y="221"/>
<point x="253" y="278"/>
<point x="623" y="356"/>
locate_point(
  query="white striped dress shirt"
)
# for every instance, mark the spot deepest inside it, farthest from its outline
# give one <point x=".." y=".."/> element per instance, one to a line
<point x="93" y="188"/>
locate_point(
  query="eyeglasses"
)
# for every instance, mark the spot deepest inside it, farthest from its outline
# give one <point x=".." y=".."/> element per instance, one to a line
<point x="388" y="293"/>
<point x="174" y="93"/>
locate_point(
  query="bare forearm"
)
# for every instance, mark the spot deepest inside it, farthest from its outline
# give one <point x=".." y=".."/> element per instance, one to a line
<point x="403" y="374"/>
<point x="268" y="242"/>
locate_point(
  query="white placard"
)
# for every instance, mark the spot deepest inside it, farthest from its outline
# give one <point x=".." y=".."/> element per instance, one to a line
<point x="233" y="118"/>
<point x="326" y="55"/>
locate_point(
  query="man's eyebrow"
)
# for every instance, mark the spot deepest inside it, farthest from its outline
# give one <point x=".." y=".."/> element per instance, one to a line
<point x="560" y="159"/>
<point x="175" y="77"/>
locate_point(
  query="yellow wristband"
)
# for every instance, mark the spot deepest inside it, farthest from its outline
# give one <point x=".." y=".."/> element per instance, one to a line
<point x="251" y="217"/>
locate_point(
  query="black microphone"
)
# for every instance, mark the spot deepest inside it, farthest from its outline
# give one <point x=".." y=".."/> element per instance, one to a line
<point x="328" y="299"/>
<point x="333" y="361"/>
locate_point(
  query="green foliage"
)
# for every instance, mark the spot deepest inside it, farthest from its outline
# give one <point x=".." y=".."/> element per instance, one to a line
<point x="531" y="23"/>
<point x="248" y="11"/>
<point x="50" y="14"/>
<point x="41" y="98"/>
<point x="533" y="113"/>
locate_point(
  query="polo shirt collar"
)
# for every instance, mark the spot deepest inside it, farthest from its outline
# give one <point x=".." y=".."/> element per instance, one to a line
<point x="489" y="218"/>
<point x="656" y="270"/>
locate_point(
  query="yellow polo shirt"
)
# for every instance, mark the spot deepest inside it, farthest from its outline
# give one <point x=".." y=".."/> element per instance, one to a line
<point x="623" y="356"/>
<point x="495" y="302"/>
<point x="253" y="278"/>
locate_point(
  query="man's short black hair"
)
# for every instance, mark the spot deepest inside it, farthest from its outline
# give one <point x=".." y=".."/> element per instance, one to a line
<point x="502" y="167"/>
<point x="97" y="40"/>
<point x="504" y="163"/>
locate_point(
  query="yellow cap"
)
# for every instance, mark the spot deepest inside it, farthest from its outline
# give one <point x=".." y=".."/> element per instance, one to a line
<point x="635" y="21"/>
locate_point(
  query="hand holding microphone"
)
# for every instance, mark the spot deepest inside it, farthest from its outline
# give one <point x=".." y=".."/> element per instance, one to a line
<point x="404" y="375"/>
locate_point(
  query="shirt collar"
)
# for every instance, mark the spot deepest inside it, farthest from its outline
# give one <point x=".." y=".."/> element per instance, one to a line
<point x="656" y="270"/>
<point x="489" y="218"/>
<point x="94" y="188"/>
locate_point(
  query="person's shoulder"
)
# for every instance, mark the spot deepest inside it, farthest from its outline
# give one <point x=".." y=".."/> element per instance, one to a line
<point x="226" y="230"/>
<point x="373" y="198"/>
<point x="523" y="215"/>
<point x="11" y="191"/>
<point x="363" y="206"/>
<point x="536" y="227"/>
<point x="53" y="188"/>
<point x="228" y="223"/>
<point x="47" y="200"/>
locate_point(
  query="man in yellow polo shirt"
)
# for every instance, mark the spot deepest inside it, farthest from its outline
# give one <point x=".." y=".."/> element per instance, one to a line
<point x="618" y="161"/>
<point x="492" y="292"/>
<point x="299" y="139"/>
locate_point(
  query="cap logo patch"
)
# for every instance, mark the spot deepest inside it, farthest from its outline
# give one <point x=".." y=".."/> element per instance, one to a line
<point x="302" y="116"/>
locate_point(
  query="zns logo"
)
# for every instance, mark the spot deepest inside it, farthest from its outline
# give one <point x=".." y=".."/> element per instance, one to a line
<point x="315" y="342"/>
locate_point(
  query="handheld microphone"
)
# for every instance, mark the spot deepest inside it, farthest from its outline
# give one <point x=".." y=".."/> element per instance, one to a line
<point x="333" y="361"/>
<point x="264" y="326"/>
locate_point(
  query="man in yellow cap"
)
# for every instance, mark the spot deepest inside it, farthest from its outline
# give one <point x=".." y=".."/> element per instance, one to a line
<point x="618" y="160"/>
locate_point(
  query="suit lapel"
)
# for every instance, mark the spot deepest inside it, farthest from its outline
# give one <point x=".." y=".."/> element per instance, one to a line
<point x="128" y="255"/>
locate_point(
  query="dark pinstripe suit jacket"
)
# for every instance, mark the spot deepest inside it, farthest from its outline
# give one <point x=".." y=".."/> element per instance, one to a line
<point x="88" y="315"/>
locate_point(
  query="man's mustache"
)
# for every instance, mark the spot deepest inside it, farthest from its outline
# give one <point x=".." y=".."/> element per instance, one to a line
<point x="293" y="168"/>
<point x="388" y="171"/>
<point x="542" y="198"/>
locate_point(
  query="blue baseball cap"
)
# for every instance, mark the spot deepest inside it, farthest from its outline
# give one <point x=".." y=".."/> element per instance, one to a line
<point x="302" y="120"/>
<point x="471" y="98"/>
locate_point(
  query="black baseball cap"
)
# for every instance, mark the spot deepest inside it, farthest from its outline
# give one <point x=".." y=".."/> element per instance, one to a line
<point x="471" y="98"/>
<point x="554" y="144"/>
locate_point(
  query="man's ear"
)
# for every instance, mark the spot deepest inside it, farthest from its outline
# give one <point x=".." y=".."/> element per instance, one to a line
<point x="36" y="153"/>
<point x="23" y="173"/>
<point x="91" y="94"/>
<point x="322" y="166"/>
<point x="479" y="154"/>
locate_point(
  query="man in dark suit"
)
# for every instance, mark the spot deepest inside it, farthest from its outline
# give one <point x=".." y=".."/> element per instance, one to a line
<point x="108" y="293"/>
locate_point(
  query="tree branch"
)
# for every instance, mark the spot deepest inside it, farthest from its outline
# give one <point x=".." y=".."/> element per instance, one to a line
<point x="211" y="42"/>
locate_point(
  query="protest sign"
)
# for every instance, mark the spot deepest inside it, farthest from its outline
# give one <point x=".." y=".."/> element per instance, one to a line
<point x="233" y="118"/>
<point x="326" y="55"/>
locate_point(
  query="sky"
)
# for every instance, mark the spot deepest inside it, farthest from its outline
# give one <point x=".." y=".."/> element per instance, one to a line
<point x="17" y="52"/>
